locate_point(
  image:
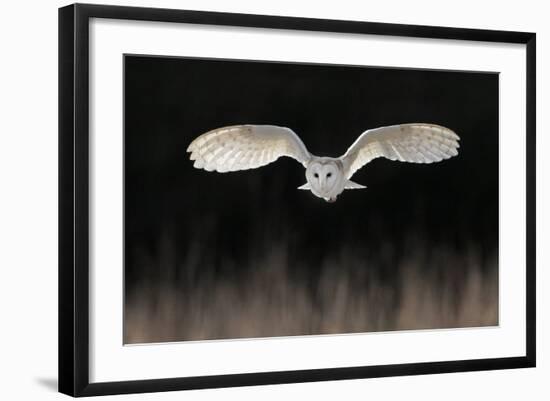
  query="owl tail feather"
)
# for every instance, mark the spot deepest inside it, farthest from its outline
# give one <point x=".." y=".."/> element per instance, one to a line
<point x="353" y="185"/>
<point x="349" y="185"/>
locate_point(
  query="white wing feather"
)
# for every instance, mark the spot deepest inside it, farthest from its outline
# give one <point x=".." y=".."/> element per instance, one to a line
<point x="243" y="147"/>
<point x="414" y="143"/>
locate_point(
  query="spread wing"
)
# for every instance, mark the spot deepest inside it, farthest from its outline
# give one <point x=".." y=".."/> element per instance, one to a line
<point x="243" y="147"/>
<point x="414" y="143"/>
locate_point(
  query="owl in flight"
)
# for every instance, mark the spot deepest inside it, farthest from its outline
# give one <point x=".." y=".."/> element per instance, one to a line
<point x="243" y="147"/>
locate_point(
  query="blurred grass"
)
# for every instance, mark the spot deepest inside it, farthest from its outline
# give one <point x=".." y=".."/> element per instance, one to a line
<point x="427" y="289"/>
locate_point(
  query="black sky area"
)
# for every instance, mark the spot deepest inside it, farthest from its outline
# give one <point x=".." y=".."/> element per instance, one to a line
<point x="170" y="101"/>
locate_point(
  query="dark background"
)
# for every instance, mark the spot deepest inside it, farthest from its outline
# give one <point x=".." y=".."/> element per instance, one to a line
<point x="223" y="222"/>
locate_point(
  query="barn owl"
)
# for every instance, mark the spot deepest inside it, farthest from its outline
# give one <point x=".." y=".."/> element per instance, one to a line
<point x="243" y="147"/>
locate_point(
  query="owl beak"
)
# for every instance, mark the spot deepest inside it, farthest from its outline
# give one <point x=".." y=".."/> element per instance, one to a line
<point x="331" y="200"/>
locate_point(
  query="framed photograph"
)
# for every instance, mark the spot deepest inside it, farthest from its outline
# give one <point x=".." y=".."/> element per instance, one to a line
<point x="250" y="199"/>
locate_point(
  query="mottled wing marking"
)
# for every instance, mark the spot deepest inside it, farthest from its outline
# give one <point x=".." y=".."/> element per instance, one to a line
<point x="414" y="143"/>
<point x="243" y="147"/>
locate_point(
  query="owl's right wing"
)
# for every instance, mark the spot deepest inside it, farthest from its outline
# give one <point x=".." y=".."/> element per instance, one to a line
<point x="413" y="143"/>
<point x="243" y="147"/>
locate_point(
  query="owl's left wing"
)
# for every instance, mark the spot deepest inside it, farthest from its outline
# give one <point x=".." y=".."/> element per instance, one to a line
<point x="414" y="143"/>
<point x="243" y="147"/>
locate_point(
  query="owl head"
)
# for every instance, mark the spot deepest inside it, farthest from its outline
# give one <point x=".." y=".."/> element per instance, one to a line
<point x="326" y="178"/>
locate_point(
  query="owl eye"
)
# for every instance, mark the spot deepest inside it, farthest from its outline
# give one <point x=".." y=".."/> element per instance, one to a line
<point x="316" y="175"/>
<point x="329" y="175"/>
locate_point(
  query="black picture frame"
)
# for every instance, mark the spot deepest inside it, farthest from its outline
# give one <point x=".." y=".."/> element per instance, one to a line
<point x="74" y="198"/>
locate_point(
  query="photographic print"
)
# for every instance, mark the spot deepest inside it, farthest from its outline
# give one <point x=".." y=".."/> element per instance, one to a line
<point x="266" y="199"/>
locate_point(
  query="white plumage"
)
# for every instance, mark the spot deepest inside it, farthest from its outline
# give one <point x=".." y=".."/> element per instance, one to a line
<point x="243" y="147"/>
